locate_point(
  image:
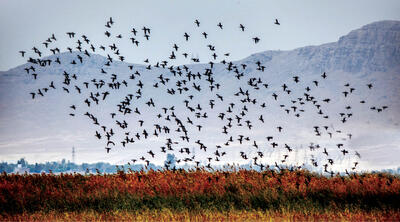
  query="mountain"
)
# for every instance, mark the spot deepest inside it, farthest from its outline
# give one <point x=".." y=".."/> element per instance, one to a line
<point x="42" y="129"/>
<point x="373" y="48"/>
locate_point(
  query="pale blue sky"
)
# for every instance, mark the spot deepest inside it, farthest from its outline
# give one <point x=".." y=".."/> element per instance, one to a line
<point x="26" y="23"/>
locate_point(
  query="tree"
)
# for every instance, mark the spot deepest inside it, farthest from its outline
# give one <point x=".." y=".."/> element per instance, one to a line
<point x="23" y="162"/>
<point x="170" y="161"/>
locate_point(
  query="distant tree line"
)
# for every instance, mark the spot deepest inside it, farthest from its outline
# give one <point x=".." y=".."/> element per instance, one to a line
<point x="64" y="166"/>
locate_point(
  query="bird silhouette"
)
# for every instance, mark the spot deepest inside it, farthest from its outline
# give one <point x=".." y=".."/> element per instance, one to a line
<point x="256" y="40"/>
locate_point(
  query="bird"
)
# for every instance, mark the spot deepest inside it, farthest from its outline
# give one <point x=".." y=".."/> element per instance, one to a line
<point x="325" y="152"/>
<point x="277" y="22"/>
<point x="71" y="34"/>
<point x="186" y="36"/>
<point x="256" y="40"/>
<point x="134" y="31"/>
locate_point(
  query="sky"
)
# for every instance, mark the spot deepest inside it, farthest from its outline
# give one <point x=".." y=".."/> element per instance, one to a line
<point x="25" y="23"/>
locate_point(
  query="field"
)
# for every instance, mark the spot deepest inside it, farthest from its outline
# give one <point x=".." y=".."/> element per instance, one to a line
<point x="200" y="195"/>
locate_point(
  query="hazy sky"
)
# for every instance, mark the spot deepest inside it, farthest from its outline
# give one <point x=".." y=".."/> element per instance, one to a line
<point x="26" y="23"/>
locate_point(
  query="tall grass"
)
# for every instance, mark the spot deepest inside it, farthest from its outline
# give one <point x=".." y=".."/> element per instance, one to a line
<point x="195" y="191"/>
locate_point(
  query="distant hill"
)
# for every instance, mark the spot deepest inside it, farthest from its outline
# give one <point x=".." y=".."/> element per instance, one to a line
<point x="42" y="128"/>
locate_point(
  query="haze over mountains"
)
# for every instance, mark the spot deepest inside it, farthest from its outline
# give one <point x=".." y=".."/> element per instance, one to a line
<point x="42" y="129"/>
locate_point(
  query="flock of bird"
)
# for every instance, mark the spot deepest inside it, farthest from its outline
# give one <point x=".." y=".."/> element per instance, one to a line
<point x="181" y="125"/>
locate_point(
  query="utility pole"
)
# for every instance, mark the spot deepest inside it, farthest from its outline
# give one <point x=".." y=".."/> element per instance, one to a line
<point x="73" y="154"/>
<point x="296" y="156"/>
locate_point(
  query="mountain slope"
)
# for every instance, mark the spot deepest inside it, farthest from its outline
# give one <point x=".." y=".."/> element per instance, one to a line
<point x="372" y="48"/>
